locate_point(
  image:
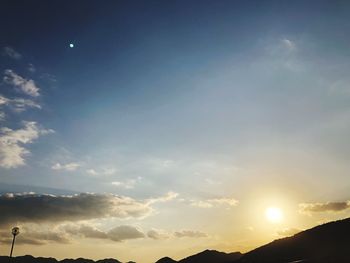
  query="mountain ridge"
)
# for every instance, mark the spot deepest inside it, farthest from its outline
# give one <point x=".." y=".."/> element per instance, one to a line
<point x="326" y="243"/>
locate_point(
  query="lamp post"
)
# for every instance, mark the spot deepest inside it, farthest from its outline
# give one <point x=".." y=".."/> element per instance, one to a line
<point x="15" y="232"/>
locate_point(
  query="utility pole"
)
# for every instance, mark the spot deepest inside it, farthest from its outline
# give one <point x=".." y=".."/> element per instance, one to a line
<point x="15" y="232"/>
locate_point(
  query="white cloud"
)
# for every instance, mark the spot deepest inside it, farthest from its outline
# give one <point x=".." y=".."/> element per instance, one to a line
<point x="101" y="172"/>
<point x="12" y="150"/>
<point x="67" y="167"/>
<point x="167" y="197"/>
<point x="128" y="184"/>
<point x="18" y="104"/>
<point x="10" y="52"/>
<point x="213" y="202"/>
<point x="288" y="44"/>
<point x="27" y="86"/>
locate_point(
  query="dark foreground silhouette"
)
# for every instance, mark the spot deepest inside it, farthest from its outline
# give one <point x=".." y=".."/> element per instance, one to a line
<point x="327" y="243"/>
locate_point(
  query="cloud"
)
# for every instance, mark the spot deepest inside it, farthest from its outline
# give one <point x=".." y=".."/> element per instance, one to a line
<point x="34" y="208"/>
<point x="31" y="68"/>
<point x="118" y="234"/>
<point x="214" y="202"/>
<point x="190" y="233"/>
<point x="51" y="236"/>
<point x="157" y="234"/>
<point x="101" y="172"/>
<point x="12" y="150"/>
<point x="10" y="52"/>
<point x="167" y="197"/>
<point x="125" y="232"/>
<point x="308" y="208"/>
<point x="18" y="104"/>
<point x="2" y="116"/>
<point x="20" y="240"/>
<point x="92" y="172"/>
<point x="36" y="236"/>
<point x="67" y="167"/>
<point x="129" y="184"/>
<point x="27" y="86"/>
<point x="288" y="232"/>
<point x="85" y="231"/>
<point x="288" y="44"/>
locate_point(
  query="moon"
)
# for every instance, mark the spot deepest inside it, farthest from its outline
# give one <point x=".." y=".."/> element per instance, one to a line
<point x="274" y="214"/>
<point x="71" y="45"/>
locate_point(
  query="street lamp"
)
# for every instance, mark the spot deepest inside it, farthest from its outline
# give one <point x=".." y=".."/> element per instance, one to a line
<point x="15" y="232"/>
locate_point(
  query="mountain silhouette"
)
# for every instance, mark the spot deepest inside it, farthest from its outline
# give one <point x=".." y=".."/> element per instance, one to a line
<point x="166" y="260"/>
<point x="211" y="256"/>
<point x="31" y="259"/>
<point x="325" y="243"/>
<point x="206" y="256"/>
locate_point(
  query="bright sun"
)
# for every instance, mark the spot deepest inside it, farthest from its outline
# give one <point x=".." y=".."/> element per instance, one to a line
<point x="274" y="214"/>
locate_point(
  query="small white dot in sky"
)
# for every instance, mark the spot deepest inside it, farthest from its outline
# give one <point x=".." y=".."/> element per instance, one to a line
<point x="71" y="45"/>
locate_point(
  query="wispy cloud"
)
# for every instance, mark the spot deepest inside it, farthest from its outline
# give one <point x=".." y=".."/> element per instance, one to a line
<point x="18" y="104"/>
<point x="67" y="167"/>
<point x="2" y="116"/>
<point x="167" y="197"/>
<point x="11" y="52"/>
<point x="12" y="149"/>
<point x="128" y="184"/>
<point x="288" y="44"/>
<point x="190" y="233"/>
<point x="308" y="208"/>
<point x="209" y="203"/>
<point x="27" y="86"/>
<point x="31" y="68"/>
<point x="101" y="172"/>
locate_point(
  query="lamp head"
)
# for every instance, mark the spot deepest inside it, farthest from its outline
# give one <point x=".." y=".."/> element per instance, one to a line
<point x="15" y="231"/>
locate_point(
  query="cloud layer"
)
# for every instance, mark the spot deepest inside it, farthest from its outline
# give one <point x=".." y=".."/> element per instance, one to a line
<point x="33" y="208"/>
<point x="324" y="207"/>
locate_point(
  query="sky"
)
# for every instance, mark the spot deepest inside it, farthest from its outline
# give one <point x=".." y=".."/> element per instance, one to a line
<point x="170" y="127"/>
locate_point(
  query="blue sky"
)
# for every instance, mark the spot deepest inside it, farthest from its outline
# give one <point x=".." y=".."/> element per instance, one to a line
<point x="207" y="107"/>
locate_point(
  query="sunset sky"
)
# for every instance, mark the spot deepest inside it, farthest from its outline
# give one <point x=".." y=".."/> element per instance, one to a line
<point x="142" y="129"/>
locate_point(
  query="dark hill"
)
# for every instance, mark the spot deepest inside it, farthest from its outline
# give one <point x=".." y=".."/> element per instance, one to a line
<point x="212" y="256"/>
<point x="325" y="243"/>
<point x="166" y="260"/>
<point x="31" y="259"/>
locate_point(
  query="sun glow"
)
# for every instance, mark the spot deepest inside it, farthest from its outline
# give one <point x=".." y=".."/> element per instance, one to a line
<point x="274" y="214"/>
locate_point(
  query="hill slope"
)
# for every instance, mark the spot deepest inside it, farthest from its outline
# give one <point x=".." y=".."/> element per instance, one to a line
<point x="211" y="256"/>
<point x="31" y="259"/>
<point x="325" y="243"/>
